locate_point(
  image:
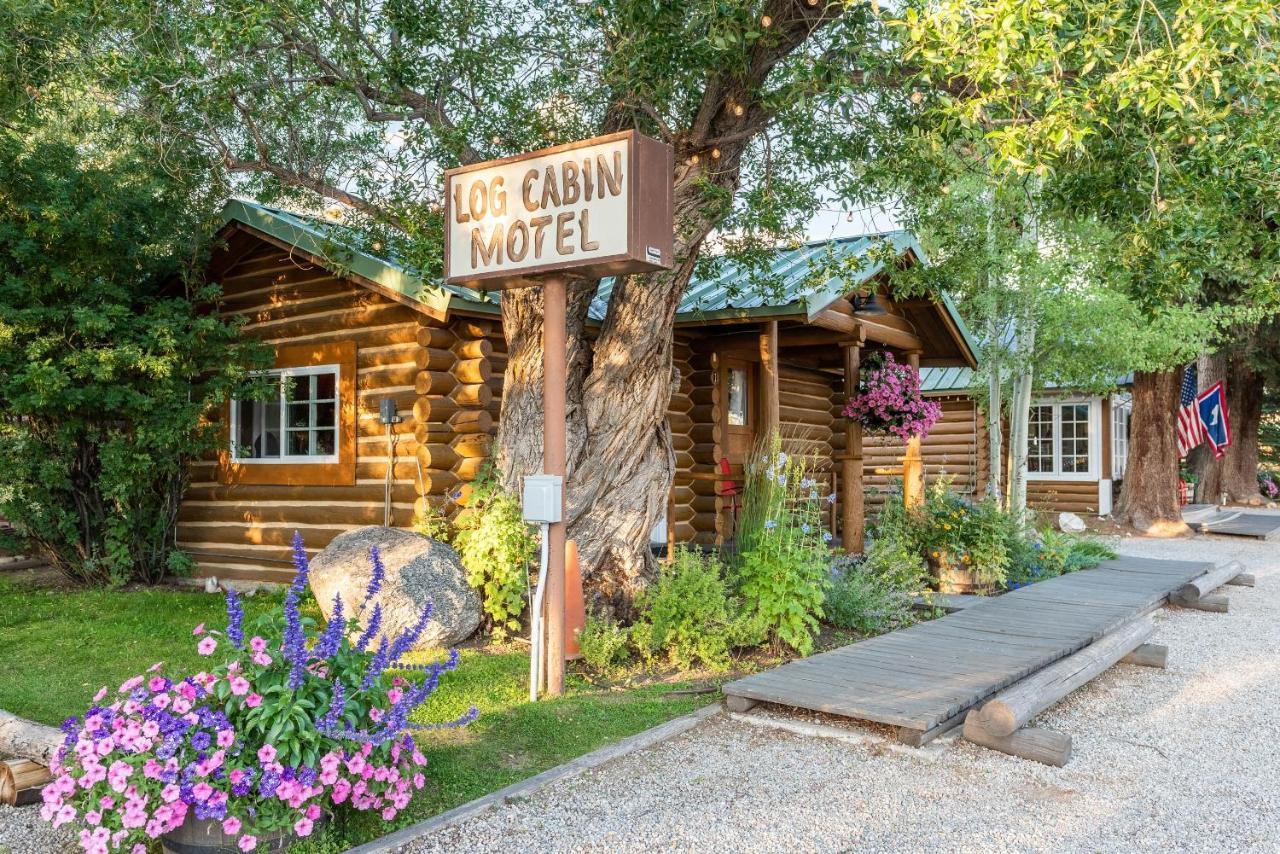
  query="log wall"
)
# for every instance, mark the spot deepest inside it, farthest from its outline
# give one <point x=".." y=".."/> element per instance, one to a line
<point x="439" y="375"/>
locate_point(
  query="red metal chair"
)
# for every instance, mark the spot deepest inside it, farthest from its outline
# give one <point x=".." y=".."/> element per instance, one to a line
<point x="731" y="491"/>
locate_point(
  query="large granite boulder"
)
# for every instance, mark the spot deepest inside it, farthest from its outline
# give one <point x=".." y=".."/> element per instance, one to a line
<point x="418" y="570"/>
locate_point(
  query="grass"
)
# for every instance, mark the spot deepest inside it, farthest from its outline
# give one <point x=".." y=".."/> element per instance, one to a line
<point x="60" y="645"/>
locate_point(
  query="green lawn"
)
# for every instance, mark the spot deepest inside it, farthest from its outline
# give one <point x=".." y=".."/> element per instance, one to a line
<point x="60" y="645"/>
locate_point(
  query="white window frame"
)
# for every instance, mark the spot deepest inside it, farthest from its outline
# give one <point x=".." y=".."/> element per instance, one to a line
<point x="1120" y="404"/>
<point x="1095" y="444"/>
<point x="295" y="459"/>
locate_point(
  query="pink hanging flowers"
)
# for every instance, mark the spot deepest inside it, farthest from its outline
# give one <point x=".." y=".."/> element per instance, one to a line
<point x="889" y="400"/>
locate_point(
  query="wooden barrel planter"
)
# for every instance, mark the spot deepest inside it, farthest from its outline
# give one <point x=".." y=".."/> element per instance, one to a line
<point x="205" y="836"/>
<point x="955" y="577"/>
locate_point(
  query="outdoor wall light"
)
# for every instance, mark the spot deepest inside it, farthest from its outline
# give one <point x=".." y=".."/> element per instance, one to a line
<point x="867" y="305"/>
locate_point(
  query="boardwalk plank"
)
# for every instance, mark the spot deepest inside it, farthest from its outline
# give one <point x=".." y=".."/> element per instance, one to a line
<point x="922" y="677"/>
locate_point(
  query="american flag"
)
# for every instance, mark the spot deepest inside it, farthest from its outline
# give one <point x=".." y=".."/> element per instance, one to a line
<point x="1190" y="427"/>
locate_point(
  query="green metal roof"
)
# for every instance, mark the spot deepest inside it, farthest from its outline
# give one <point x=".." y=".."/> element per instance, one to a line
<point x="726" y="295"/>
<point x="335" y="243"/>
<point x="939" y="380"/>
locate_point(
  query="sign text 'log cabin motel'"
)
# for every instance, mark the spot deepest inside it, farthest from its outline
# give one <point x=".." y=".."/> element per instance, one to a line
<point x="595" y="208"/>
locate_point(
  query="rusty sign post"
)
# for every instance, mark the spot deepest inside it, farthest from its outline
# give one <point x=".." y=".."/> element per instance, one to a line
<point x="600" y="207"/>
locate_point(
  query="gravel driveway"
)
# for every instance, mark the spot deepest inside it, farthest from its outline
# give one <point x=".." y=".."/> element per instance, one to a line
<point x="1184" y="759"/>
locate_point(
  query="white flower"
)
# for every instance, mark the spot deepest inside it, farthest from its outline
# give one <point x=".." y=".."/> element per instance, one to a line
<point x="813" y="495"/>
<point x="805" y="528"/>
<point x="831" y="499"/>
<point x="826" y="536"/>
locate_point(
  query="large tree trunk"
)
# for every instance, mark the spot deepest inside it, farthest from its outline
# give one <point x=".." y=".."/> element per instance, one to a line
<point x="1235" y="475"/>
<point x="1149" y="500"/>
<point x="620" y="462"/>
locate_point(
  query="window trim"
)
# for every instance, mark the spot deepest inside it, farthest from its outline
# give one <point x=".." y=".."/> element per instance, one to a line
<point x="1094" y="435"/>
<point x="300" y="459"/>
<point x="330" y="470"/>
<point x="1120" y="402"/>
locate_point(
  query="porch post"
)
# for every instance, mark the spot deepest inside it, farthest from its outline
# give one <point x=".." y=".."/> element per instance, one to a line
<point x="913" y="461"/>
<point x="852" y="508"/>
<point x="770" y="415"/>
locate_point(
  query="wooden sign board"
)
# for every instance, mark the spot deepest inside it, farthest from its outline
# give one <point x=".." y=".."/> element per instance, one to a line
<point x="600" y="207"/>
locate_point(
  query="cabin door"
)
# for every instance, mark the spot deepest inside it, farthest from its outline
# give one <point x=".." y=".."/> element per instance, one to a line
<point x="739" y="409"/>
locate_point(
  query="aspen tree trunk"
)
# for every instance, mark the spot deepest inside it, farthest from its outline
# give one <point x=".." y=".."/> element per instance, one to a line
<point x="1149" y="500"/>
<point x="995" y="435"/>
<point x="1019" y="416"/>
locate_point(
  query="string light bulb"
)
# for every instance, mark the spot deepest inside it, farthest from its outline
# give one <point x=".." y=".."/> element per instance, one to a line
<point x="715" y="154"/>
<point x="766" y="21"/>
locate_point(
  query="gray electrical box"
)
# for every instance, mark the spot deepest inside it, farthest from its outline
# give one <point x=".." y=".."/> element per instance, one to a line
<point x="387" y="411"/>
<point x="543" y="498"/>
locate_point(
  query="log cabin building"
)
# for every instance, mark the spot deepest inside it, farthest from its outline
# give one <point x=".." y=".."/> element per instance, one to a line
<point x="390" y="388"/>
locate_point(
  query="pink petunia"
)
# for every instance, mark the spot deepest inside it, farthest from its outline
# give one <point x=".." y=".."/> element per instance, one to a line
<point x="231" y="825"/>
<point x="102" y="692"/>
<point x="253" y="701"/>
<point x="266" y="753"/>
<point x="207" y="646"/>
<point x="248" y="842"/>
<point x="239" y="686"/>
<point x="302" y="827"/>
<point x="198" y="630"/>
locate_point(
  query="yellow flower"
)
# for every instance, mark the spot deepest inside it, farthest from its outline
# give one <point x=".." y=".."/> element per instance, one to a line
<point x="964" y="559"/>
<point x="935" y="554"/>
<point x="946" y="526"/>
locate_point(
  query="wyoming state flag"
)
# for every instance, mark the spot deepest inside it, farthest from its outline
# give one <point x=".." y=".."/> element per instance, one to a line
<point x="1211" y="404"/>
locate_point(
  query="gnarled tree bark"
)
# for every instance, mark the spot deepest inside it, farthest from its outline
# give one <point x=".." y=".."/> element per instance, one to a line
<point x="1149" y="500"/>
<point x="1235" y="474"/>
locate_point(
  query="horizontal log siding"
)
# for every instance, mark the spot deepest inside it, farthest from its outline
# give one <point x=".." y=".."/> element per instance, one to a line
<point x="243" y="531"/>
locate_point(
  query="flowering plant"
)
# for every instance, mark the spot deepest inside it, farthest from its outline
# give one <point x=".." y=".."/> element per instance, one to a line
<point x="784" y="551"/>
<point x="1269" y="484"/>
<point x="889" y="400"/>
<point x="288" y="727"/>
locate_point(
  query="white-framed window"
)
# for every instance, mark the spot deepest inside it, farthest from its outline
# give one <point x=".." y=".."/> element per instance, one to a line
<point x="299" y="424"/>
<point x="1121" y="410"/>
<point x="1063" y="440"/>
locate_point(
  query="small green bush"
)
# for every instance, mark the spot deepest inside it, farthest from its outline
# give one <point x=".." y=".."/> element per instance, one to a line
<point x="859" y="601"/>
<point x="688" y="615"/>
<point x="972" y="534"/>
<point x="496" y="546"/>
<point x="1051" y="553"/>
<point x="784" y="558"/>
<point x="604" y="644"/>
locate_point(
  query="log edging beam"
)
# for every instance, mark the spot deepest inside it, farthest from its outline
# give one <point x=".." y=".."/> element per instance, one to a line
<point x="1039" y="745"/>
<point x="1012" y="708"/>
<point x="1197" y="588"/>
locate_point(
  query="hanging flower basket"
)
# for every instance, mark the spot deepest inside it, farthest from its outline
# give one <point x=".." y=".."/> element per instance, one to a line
<point x="889" y="400"/>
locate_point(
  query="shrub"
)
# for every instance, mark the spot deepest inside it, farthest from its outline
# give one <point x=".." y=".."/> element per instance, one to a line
<point x="1051" y="553"/>
<point x="688" y="615"/>
<point x="859" y="600"/>
<point x="604" y="644"/>
<point x="496" y="546"/>
<point x="784" y="558"/>
<point x="1269" y="484"/>
<point x="285" y="728"/>
<point x="110" y="357"/>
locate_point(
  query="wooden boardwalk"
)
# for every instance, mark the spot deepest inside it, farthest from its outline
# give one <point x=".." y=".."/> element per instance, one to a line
<point x="924" y="678"/>
<point x="1209" y="519"/>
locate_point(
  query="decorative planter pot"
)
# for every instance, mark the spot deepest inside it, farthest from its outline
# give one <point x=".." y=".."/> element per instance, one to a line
<point x="205" y="836"/>
<point x="957" y="578"/>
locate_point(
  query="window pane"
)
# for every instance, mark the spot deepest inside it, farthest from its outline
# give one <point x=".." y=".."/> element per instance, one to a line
<point x="295" y="388"/>
<point x="1040" y="440"/>
<point x="1075" y="438"/>
<point x="326" y="386"/>
<point x="258" y="428"/>
<point x="326" y="443"/>
<point x="299" y="443"/>
<point x="325" y="414"/>
<point x="737" y="404"/>
<point x="299" y="415"/>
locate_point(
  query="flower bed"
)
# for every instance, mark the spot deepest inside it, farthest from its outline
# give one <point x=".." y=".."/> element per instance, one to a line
<point x="287" y="727"/>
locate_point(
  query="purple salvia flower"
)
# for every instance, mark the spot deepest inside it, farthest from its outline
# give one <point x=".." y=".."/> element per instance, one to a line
<point x="375" y="579"/>
<point x="381" y="659"/>
<point x="333" y="631"/>
<point x="375" y="623"/>
<point x="294" y="646"/>
<point x="406" y="641"/>
<point x="235" y="619"/>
